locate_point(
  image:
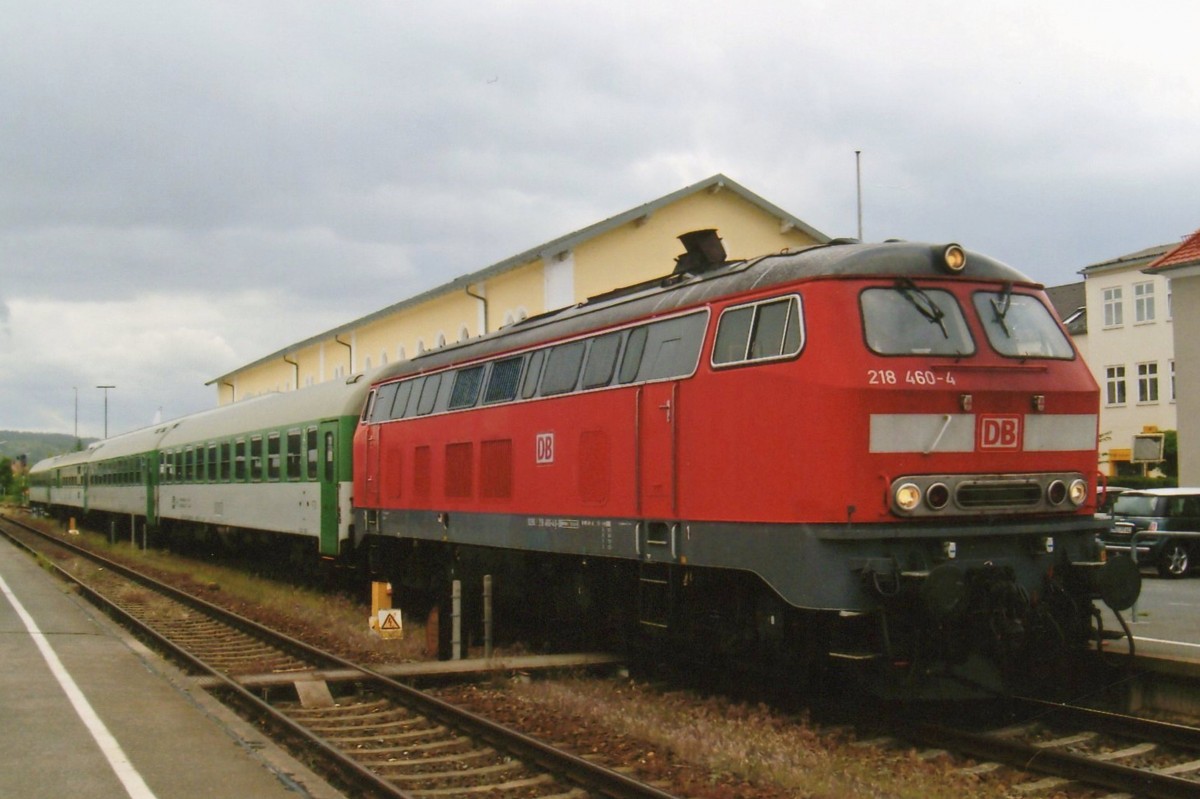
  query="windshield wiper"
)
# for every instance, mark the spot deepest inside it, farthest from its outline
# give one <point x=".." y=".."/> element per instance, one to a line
<point x="923" y="303"/>
<point x="1000" y="309"/>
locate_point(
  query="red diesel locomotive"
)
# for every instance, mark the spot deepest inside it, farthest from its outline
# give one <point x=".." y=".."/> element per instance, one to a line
<point x="872" y="453"/>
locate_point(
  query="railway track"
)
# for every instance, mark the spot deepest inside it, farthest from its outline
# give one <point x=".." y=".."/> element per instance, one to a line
<point x="1064" y="747"/>
<point x="382" y="739"/>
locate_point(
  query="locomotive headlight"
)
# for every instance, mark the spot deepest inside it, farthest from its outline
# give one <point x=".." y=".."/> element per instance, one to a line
<point x="1078" y="492"/>
<point x="1056" y="492"/>
<point x="938" y="496"/>
<point x="954" y="258"/>
<point x="908" y="497"/>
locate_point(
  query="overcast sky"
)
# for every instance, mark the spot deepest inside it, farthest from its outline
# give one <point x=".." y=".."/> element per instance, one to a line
<point x="186" y="187"/>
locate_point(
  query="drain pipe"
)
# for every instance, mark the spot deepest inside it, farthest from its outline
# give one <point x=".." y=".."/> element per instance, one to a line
<point x="484" y="304"/>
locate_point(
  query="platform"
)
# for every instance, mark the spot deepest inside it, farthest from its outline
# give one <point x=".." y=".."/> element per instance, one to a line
<point x="86" y="711"/>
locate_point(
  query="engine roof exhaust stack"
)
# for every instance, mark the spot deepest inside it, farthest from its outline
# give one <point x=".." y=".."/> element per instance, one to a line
<point x="703" y="251"/>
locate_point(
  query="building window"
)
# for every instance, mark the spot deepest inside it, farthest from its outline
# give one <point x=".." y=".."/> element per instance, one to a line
<point x="1143" y="302"/>
<point x="1172" y="380"/>
<point x="1147" y="382"/>
<point x="1113" y="314"/>
<point x="1114" y="382"/>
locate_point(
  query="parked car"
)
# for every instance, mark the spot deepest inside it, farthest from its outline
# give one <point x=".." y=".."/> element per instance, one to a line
<point x="1108" y="498"/>
<point x="1166" y="522"/>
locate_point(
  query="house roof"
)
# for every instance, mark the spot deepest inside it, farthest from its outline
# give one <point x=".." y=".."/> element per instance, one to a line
<point x="1185" y="254"/>
<point x="545" y="251"/>
<point x="1070" y="301"/>
<point x="1130" y="260"/>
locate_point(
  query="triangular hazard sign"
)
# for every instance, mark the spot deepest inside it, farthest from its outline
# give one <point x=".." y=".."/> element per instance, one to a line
<point x="390" y="622"/>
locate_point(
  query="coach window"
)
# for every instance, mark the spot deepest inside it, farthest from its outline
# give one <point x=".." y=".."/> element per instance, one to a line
<point x="180" y="473"/>
<point x="504" y="380"/>
<point x="601" y="360"/>
<point x="256" y="458"/>
<point x="226" y="450"/>
<point x="330" y="455"/>
<point x="189" y="465"/>
<point x="310" y="436"/>
<point x="210" y="464"/>
<point x="466" y="387"/>
<point x="294" y="455"/>
<point x="530" y="383"/>
<point x="562" y="368"/>
<point x="239" y="460"/>
<point x="273" y="457"/>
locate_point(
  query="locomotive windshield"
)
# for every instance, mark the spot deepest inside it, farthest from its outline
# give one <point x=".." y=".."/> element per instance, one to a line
<point x="907" y="320"/>
<point x="1019" y="326"/>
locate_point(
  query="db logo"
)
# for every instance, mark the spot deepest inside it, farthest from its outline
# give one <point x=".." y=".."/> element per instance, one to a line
<point x="999" y="432"/>
<point x="545" y="448"/>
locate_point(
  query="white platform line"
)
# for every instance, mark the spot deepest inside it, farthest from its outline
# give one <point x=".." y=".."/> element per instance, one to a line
<point x="135" y="786"/>
<point x="1162" y="641"/>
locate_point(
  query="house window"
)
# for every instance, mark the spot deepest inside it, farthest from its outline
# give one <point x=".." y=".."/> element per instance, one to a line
<point x="1143" y="302"/>
<point x="1172" y="380"/>
<point x="1114" y="383"/>
<point x="1113" y="314"/>
<point x="1147" y="382"/>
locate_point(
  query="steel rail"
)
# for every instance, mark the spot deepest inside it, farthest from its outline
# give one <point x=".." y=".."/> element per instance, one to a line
<point x="588" y="775"/>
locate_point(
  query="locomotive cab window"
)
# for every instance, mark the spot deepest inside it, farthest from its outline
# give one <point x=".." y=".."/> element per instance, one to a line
<point x="1019" y="326"/>
<point x="763" y="331"/>
<point x="906" y="319"/>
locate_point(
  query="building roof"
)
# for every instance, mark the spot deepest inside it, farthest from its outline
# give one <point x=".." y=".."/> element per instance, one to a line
<point x="1131" y="260"/>
<point x="1070" y="301"/>
<point x="545" y="251"/>
<point x="1185" y="254"/>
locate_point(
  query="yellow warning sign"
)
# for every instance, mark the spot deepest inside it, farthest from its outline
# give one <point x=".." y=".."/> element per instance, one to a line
<point x="390" y="625"/>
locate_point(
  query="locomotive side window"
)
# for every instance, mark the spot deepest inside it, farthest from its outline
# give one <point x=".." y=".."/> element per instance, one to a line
<point x="429" y="392"/>
<point x="673" y="347"/>
<point x="381" y="405"/>
<point x="1019" y="326"/>
<point x="466" y="387"/>
<point x="403" y="395"/>
<point x="529" y="384"/>
<point x="633" y="355"/>
<point x="601" y="360"/>
<point x="908" y="320"/>
<point x="762" y="331"/>
<point x="504" y="380"/>
<point x="562" y="368"/>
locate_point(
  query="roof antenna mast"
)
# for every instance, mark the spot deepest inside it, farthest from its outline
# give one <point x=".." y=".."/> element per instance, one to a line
<point x="858" y="180"/>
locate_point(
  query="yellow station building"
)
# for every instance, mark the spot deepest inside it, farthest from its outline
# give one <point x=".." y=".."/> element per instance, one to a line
<point x="633" y="246"/>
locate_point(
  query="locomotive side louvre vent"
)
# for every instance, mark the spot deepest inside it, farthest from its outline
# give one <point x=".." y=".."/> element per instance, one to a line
<point x="998" y="494"/>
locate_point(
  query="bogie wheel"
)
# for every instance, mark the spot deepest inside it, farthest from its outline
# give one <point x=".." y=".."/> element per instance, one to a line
<point x="1173" y="562"/>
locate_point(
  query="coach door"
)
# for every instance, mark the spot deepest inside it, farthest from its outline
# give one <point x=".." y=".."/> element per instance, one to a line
<point x="658" y="419"/>
<point x="328" y="478"/>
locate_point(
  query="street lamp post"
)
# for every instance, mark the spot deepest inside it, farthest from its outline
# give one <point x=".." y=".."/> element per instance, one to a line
<point x="105" y="389"/>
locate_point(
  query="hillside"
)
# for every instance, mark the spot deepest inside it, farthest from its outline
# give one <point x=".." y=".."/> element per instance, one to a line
<point x="36" y="446"/>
